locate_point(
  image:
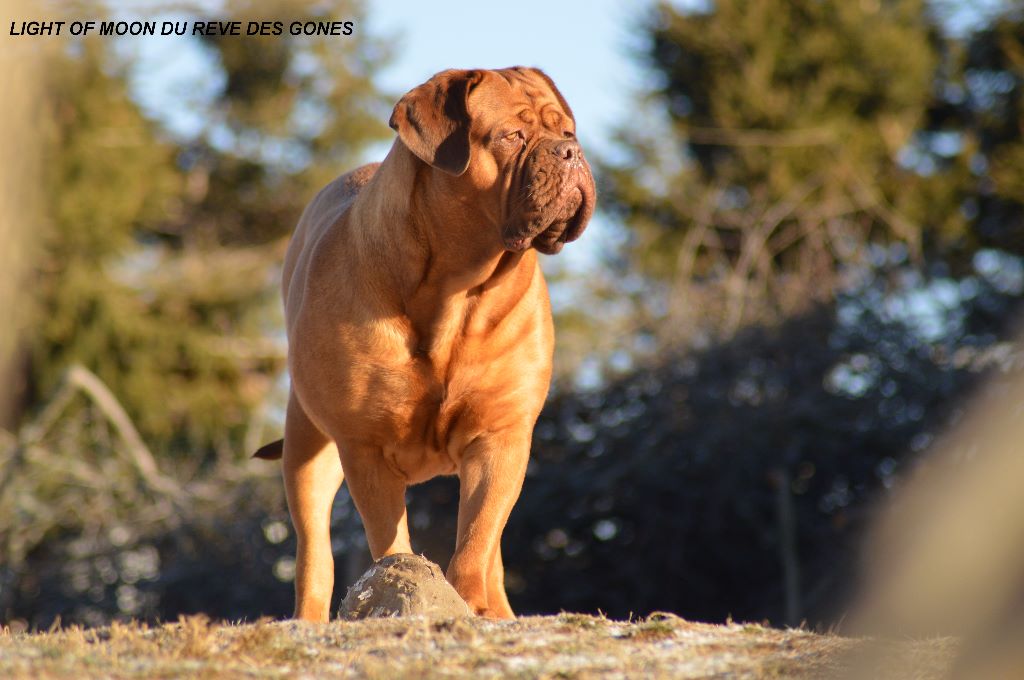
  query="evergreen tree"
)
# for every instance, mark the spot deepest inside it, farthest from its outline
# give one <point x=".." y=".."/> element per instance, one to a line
<point x="772" y="145"/>
<point x="991" y="102"/>
<point x="161" y="268"/>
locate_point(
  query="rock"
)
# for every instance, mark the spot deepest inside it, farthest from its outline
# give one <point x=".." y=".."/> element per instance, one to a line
<point x="402" y="585"/>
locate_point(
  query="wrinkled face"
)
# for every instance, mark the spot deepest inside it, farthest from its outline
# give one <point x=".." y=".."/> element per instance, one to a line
<point x="545" y="187"/>
<point x="511" y="137"/>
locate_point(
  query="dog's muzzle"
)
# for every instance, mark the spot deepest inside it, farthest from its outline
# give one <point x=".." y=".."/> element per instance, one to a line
<point x="555" y="200"/>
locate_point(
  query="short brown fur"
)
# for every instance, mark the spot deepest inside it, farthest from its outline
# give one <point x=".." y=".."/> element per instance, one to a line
<point x="419" y="326"/>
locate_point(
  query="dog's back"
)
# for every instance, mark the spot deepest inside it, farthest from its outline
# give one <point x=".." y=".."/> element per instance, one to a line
<point x="322" y="213"/>
<point x="329" y="205"/>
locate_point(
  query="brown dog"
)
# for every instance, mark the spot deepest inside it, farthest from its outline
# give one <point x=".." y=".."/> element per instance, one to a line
<point x="419" y="327"/>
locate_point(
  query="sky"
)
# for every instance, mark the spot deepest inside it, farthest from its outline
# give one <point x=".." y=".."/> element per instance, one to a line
<point x="583" y="46"/>
<point x="589" y="48"/>
<point x="586" y="47"/>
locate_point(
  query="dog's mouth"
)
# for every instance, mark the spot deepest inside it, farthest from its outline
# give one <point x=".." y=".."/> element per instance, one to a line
<point x="562" y="231"/>
<point x="555" y="226"/>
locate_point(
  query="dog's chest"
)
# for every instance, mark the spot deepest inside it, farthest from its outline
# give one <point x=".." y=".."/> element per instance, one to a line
<point x="420" y="387"/>
<point x="429" y="411"/>
<point x="432" y="404"/>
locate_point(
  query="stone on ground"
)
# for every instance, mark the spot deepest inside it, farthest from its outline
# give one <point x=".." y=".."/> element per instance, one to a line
<point x="402" y="585"/>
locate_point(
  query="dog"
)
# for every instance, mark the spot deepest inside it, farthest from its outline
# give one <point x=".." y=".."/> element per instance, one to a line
<point x="419" y="326"/>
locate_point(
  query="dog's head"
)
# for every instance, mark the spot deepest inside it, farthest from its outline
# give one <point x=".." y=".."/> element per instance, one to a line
<point x="509" y="136"/>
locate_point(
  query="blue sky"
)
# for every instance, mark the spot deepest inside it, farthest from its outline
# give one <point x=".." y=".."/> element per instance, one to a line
<point x="583" y="46"/>
<point x="586" y="47"/>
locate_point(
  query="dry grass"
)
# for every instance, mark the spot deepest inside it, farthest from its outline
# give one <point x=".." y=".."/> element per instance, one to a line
<point x="565" y="646"/>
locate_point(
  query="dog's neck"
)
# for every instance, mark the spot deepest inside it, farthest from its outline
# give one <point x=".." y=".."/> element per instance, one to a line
<point x="455" y="248"/>
<point x="452" y="258"/>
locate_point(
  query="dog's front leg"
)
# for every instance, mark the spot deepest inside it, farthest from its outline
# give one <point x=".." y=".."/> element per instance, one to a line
<point x="312" y="477"/>
<point x="497" y="599"/>
<point x="490" y="478"/>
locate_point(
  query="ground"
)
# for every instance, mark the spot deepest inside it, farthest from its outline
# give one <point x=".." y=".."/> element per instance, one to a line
<point x="564" y="646"/>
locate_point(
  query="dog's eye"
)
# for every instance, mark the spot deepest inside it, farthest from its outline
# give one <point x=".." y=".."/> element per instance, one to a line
<point x="569" y="134"/>
<point x="514" y="136"/>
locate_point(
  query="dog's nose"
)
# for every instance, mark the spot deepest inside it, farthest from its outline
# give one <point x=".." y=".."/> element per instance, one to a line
<point x="568" y="150"/>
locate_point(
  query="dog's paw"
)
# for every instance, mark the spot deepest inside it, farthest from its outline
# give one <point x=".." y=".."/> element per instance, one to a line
<point x="493" y="613"/>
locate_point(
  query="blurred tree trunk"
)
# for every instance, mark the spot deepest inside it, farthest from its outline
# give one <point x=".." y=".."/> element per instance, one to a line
<point x="20" y="217"/>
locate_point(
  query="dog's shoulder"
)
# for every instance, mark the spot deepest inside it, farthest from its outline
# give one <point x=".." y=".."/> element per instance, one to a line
<point x="335" y="198"/>
<point x="330" y="204"/>
<point x="323" y="212"/>
<point x="354" y="180"/>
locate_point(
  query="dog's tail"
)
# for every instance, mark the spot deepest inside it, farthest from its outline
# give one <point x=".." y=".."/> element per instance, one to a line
<point x="271" y="451"/>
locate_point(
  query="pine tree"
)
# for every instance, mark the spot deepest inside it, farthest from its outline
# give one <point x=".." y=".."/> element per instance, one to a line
<point x="993" y="106"/>
<point x="771" y="146"/>
<point x="161" y="267"/>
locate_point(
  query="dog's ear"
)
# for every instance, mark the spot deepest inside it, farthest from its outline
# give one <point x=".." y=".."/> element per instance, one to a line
<point x="433" y="120"/>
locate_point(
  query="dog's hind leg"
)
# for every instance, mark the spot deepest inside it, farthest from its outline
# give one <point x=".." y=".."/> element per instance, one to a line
<point x="312" y="477"/>
<point x="379" y="495"/>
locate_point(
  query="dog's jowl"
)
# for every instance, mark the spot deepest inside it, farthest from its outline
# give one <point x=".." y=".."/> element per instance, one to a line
<point x="419" y="328"/>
